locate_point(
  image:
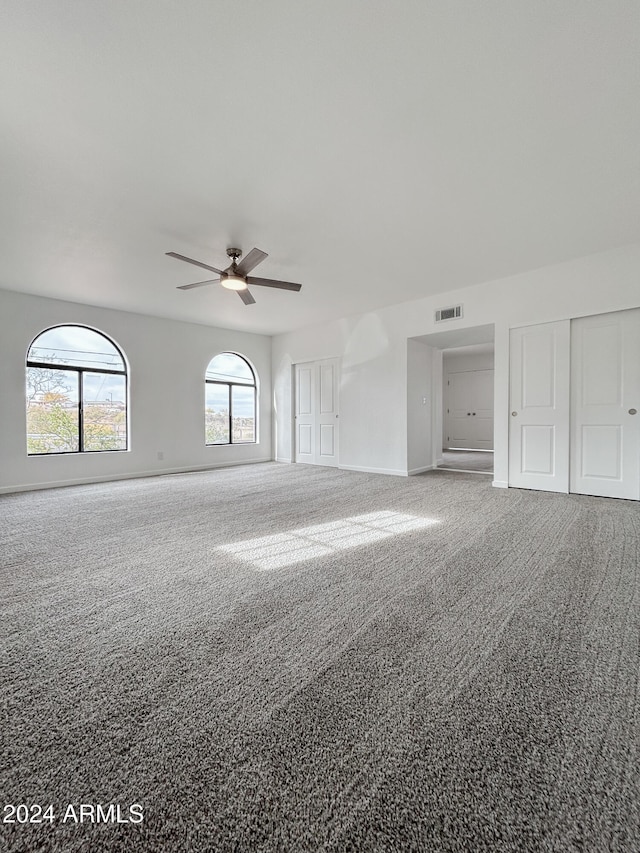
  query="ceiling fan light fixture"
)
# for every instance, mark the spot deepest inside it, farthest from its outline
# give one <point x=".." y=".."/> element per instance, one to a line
<point x="233" y="282"/>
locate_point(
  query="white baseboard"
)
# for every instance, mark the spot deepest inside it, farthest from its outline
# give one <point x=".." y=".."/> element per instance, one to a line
<point x="286" y="459"/>
<point x="112" y="478"/>
<point x="500" y="484"/>
<point x="413" y="471"/>
<point x="393" y="471"/>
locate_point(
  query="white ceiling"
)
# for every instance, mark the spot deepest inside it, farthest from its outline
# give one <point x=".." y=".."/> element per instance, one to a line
<point x="378" y="151"/>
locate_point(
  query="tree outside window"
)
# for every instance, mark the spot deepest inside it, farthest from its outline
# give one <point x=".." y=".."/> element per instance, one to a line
<point x="76" y="393"/>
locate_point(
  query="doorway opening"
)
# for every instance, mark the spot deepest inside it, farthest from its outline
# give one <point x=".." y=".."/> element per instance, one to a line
<point x="461" y="388"/>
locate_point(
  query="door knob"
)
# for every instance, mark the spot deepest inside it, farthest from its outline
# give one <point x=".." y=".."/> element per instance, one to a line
<point x="514" y="414"/>
<point x="633" y="411"/>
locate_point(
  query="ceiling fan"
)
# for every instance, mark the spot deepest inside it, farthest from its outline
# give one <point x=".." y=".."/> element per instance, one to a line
<point x="236" y="276"/>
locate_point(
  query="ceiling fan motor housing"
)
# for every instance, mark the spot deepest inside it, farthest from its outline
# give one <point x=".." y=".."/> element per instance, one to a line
<point x="232" y="271"/>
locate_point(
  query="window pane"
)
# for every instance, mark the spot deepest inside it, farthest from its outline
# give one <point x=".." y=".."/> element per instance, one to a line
<point x="244" y="414"/>
<point x="52" y="411"/>
<point x="228" y="367"/>
<point x="216" y="414"/>
<point x="104" y="411"/>
<point x="75" y="345"/>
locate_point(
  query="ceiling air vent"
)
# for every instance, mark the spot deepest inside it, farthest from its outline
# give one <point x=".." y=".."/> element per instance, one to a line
<point x="453" y="313"/>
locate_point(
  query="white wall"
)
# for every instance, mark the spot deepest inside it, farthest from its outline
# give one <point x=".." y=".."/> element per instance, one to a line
<point x="419" y="406"/>
<point x="167" y="362"/>
<point x="458" y="361"/>
<point x="372" y="404"/>
<point x="373" y="401"/>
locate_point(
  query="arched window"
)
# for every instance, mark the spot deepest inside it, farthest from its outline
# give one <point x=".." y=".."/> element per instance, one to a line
<point x="230" y="400"/>
<point x="76" y="393"/>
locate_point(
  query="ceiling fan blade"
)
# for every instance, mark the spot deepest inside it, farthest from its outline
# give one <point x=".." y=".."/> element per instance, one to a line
<point x="198" y="284"/>
<point x="255" y="257"/>
<point x="191" y="261"/>
<point x="246" y="297"/>
<point x="272" y="282"/>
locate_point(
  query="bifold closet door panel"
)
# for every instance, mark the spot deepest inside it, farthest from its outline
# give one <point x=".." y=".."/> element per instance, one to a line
<point x="327" y="445"/>
<point x="539" y="407"/>
<point x="316" y="412"/>
<point x="605" y="401"/>
<point x="305" y="427"/>
<point x="469" y="409"/>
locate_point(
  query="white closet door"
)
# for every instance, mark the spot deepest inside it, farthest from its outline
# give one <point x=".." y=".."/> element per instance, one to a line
<point x="539" y="407"/>
<point x="316" y="412"/>
<point x="470" y="409"/>
<point x="305" y="427"/>
<point x="327" y="419"/>
<point x="459" y="426"/>
<point x="482" y="416"/>
<point x="605" y="424"/>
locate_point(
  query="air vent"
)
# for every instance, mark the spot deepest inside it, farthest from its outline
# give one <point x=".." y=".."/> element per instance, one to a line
<point x="453" y="313"/>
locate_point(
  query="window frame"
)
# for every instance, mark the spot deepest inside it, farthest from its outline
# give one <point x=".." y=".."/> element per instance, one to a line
<point x="49" y="365"/>
<point x="229" y="384"/>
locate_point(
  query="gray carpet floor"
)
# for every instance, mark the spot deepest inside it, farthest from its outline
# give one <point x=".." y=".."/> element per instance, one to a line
<point x="467" y="460"/>
<point x="291" y="658"/>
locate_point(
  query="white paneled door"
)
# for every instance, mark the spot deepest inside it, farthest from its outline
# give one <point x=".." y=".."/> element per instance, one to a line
<point x="539" y="407"/>
<point x="470" y="409"/>
<point x="305" y="413"/>
<point x="316" y="412"/>
<point x="605" y="401"/>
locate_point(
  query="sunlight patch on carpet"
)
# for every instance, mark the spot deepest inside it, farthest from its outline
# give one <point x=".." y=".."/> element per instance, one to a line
<point x="320" y="540"/>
